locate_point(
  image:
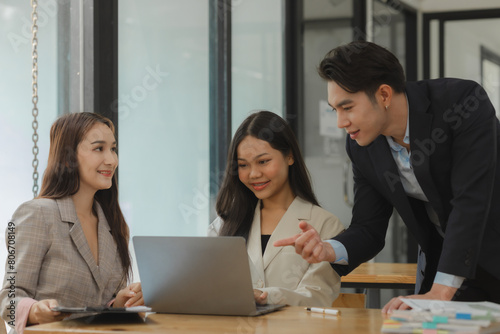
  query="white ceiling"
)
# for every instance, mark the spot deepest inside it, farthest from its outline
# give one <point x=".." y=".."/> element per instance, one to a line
<point x="318" y="9"/>
<point x="429" y="6"/>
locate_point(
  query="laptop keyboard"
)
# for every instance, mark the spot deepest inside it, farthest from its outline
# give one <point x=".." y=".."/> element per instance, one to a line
<point x="263" y="309"/>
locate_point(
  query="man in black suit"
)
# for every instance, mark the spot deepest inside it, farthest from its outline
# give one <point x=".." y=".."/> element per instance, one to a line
<point x="430" y="149"/>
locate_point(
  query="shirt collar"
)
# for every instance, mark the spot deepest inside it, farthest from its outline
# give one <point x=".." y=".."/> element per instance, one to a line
<point x="395" y="146"/>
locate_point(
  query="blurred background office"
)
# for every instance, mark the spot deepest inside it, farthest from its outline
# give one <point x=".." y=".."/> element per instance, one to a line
<point x="178" y="77"/>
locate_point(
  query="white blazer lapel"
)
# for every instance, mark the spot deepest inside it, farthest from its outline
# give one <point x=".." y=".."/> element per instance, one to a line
<point x="254" y="247"/>
<point x="288" y="225"/>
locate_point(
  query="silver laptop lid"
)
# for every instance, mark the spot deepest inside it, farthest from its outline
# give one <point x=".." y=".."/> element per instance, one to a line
<point x="195" y="275"/>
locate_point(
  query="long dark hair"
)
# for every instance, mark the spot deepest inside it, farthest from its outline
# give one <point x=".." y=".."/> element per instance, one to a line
<point x="61" y="178"/>
<point x="235" y="202"/>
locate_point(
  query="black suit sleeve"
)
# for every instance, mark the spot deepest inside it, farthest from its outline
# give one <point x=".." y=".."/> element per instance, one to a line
<point x="365" y="237"/>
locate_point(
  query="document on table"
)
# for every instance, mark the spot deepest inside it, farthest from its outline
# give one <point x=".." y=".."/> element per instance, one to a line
<point x="439" y="306"/>
<point x="433" y="316"/>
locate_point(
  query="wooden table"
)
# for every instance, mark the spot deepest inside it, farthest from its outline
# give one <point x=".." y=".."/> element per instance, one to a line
<point x="382" y="275"/>
<point x="376" y="276"/>
<point x="293" y="319"/>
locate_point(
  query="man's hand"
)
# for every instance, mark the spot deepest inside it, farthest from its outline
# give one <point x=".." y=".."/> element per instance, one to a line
<point x="438" y="292"/>
<point x="309" y="245"/>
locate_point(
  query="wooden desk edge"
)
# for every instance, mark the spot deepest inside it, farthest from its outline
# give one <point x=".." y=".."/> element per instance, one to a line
<point x="405" y="273"/>
<point x="292" y="319"/>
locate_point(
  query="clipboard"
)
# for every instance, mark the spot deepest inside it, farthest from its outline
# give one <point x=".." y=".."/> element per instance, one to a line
<point x="101" y="309"/>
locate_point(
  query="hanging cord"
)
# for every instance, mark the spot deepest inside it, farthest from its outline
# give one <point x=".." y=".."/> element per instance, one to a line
<point x="34" y="72"/>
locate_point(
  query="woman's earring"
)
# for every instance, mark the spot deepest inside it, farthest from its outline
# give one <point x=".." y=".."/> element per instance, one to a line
<point x="386" y="107"/>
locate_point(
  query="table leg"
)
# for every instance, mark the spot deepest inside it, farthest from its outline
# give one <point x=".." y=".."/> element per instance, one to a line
<point x="372" y="298"/>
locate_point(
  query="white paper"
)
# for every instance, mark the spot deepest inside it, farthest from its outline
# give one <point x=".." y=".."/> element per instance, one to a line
<point x="438" y="306"/>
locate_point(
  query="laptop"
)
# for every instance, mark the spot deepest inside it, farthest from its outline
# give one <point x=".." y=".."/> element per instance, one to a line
<point x="197" y="275"/>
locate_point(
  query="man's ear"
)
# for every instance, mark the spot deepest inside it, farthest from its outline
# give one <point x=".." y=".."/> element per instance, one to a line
<point x="384" y="95"/>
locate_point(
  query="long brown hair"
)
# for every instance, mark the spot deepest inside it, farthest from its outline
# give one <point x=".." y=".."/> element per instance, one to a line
<point x="61" y="178"/>
<point x="235" y="202"/>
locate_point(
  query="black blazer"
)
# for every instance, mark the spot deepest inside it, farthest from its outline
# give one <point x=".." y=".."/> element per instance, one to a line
<point x="455" y="142"/>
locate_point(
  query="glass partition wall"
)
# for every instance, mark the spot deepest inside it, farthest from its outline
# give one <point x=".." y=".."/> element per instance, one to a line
<point x="257" y="58"/>
<point x="164" y="100"/>
<point x="326" y="24"/>
<point x="58" y="50"/>
<point x="163" y="116"/>
<point x="464" y="45"/>
<point x="16" y="95"/>
<point x="472" y="51"/>
<point x="163" y="103"/>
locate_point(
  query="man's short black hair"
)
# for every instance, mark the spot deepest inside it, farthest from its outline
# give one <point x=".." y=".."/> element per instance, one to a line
<point x="362" y="66"/>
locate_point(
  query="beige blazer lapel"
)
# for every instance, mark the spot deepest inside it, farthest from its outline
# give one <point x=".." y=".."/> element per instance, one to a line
<point x="108" y="252"/>
<point x="68" y="215"/>
<point x="288" y="225"/>
<point x="254" y="247"/>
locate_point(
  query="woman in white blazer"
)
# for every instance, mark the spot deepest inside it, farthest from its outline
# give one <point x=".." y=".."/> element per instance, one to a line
<point x="265" y="193"/>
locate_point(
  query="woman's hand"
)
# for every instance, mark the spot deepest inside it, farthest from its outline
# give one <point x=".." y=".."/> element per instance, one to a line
<point x="129" y="296"/>
<point x="41" y="313"/>
<point x="260" y="297"/>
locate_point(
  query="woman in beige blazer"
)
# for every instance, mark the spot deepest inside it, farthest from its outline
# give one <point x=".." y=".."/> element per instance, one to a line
<point x="69" y="246"/>
<point x="265" y="193"/>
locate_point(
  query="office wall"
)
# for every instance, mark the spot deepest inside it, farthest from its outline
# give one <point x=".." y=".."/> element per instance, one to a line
<point x="463" y="40"/>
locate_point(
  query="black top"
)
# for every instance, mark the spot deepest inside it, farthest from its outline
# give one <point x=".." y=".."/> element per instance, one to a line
<point x="264" y="239"/>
